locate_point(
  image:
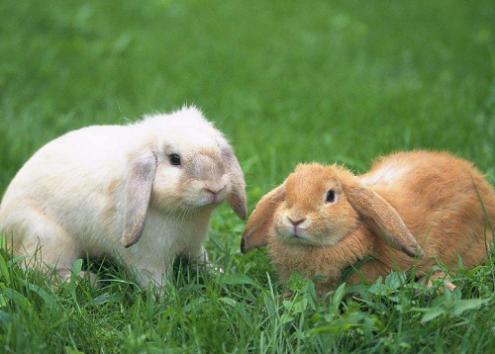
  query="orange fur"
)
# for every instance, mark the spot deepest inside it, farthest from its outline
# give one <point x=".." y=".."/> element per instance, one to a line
<point x="429" y="204"/>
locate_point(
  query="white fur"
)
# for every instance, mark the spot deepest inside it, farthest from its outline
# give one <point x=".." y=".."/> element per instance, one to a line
<point x="67" y="200"/>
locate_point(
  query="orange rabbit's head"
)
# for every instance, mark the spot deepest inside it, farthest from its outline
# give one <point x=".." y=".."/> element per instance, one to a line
<point x="315" y="210"/>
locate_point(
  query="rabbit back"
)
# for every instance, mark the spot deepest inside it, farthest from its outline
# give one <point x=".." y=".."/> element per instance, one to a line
<point x="445" y="202"/>
<point x="74" y="180"/>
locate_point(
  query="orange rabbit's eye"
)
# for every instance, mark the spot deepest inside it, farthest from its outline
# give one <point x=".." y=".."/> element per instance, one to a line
<point x="330" y="196"/>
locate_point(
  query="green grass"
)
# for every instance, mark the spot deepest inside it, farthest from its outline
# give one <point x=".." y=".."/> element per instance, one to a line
<point x="287" y="81"/>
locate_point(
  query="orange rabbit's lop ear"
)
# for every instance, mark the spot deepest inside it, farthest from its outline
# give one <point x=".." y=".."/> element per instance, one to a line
<point x="258" y="225"/>
<point x="382" y="218"/>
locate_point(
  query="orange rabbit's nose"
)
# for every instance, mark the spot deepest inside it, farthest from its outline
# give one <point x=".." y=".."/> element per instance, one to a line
<point x="296" y="222"/>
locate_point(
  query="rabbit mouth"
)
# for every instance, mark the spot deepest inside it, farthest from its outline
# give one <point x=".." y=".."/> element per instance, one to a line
<point x="198" y="205"/>
<point x="295" y="236"/>
<point x="296" y="233"/>
<point x="299" y="236"/>
<point x="214" y="200"/>
<point x="207" y="204"/>
<point x="204" y="201"/>
<point x="297" y="239"/>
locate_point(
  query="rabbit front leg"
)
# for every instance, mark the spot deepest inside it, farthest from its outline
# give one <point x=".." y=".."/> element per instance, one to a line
<point x="65" y="275"/>
<point x="198" y="254"/>
<point x="150" y="276"/>
<point x="148" y="270"/>
<point x="368" y="273"/>
<point x="428" y="280"/>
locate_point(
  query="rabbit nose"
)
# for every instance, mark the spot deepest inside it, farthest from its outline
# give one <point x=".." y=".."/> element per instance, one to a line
<point x="296" y="222"/>
<point x="214" y="190"/>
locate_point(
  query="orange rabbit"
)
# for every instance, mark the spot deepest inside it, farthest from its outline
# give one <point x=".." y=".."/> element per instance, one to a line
<point x="411" y="208"/>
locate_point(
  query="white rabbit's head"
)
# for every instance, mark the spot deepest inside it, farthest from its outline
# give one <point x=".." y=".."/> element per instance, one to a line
<point x="187" y="165"/>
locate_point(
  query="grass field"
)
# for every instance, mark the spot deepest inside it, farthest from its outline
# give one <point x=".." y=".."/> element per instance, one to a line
<point x="287" y="81"/>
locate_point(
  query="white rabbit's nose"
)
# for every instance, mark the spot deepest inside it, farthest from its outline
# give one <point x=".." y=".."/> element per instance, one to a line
<point x="214" y="190"/>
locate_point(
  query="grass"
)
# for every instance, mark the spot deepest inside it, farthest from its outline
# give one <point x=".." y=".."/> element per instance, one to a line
<point x="287" y="82"/>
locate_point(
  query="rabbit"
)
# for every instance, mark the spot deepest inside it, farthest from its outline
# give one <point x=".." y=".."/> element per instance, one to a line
<point x="411" y="209"/>
<point x="142" y="193"/>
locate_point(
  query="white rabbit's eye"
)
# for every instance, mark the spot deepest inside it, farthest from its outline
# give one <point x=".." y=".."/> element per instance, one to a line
<point x="330" y="196"/>
<point x="174" y="159"/>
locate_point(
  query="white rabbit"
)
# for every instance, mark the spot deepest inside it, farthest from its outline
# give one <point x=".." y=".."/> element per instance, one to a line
<point x="99" y="190"/>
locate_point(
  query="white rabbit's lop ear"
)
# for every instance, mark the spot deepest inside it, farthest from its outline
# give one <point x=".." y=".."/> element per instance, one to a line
<point x="237" y="196"/>
<point x="138" y="187"/>
<point x="382" y="218"/>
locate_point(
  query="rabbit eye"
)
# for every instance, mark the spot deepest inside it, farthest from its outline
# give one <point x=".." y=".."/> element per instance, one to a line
<point x="174" y="159"/>
<point x="330" y="196"/>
